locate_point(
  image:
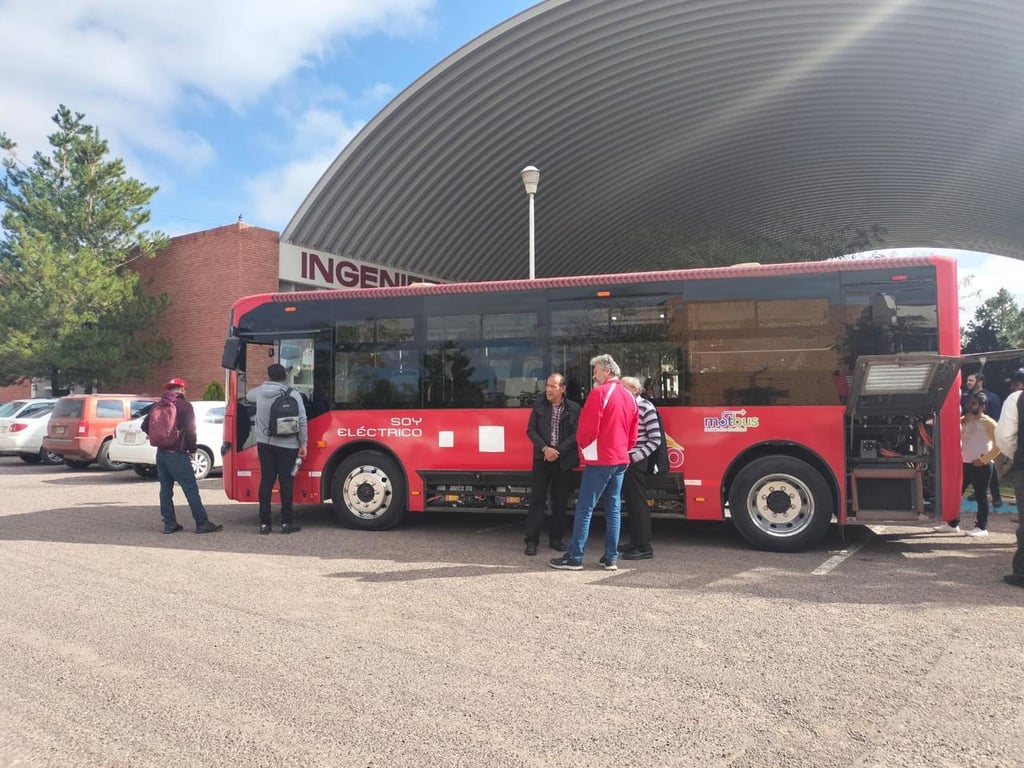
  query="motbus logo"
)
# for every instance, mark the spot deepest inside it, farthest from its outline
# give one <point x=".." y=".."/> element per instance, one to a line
<point x="731" y="421"/>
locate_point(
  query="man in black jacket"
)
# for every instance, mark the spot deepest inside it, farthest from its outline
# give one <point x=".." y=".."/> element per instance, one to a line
<point x="552" y="430"/>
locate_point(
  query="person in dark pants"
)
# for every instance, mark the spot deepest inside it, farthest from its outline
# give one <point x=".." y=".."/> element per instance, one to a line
<point x="976" y="385"/>
<point x="634" y="484"/>
<point x="1008" y="442"/>
<point x="978" y="449"/>
<point x="277" y="453"/>
<point x="174" y="465"/>
<point x="552" y="430"/>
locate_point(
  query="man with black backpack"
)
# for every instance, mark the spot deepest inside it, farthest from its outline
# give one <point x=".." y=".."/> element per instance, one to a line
<point x="280" y="442"/>
<point x="644" y="457"/>
<point x="171" y="427"/>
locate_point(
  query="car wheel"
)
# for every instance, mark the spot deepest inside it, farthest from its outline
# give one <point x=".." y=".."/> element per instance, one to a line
<point x="30" y="458"/>
<point x="103" y="459"/>
<point x="50" y="458"/>
<point x="368" y="492"/>
<point x="202" y="463"/>
<point x="76" y="464"/>
<point x="145" y="471"/>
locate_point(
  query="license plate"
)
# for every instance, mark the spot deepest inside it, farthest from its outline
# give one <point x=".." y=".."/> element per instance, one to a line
<point x="131" y="438"/>
<point x="58" y="429"/>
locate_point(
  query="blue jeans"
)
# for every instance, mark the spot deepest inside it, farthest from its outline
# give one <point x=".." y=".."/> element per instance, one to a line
<point x="173" y="467"/>
<point x="597" y="483"/>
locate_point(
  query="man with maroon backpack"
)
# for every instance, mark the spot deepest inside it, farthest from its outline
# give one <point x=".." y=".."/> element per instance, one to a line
<point x="171" y="427"/>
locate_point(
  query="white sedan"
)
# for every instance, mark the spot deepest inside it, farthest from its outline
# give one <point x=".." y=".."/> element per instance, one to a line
<point x="23" y="427"/>
<point x="131" y="445"/>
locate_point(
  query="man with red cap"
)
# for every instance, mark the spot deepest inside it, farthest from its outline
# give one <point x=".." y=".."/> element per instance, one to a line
<point x="174" y="457"/>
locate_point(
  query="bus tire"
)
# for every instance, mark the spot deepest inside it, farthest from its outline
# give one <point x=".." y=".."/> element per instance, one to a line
<point x="368" y="492"/>
<point x="780" y="504"/>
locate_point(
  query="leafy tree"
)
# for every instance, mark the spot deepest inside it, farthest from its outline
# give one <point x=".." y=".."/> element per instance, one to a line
<point x="998" y="323"/>
<point x="214" y="391"/>
<point x="75" y="310"/>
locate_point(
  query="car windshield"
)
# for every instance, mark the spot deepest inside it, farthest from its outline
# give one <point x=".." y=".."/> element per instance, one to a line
<point x="36" y="411"/>
<point x="11" y="408"/>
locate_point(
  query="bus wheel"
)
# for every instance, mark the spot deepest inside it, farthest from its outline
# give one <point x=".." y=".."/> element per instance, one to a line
<point x="780" y="504"/>
<point x="369" y="492"/>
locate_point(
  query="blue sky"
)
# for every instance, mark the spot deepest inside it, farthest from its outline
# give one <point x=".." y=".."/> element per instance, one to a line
<point x="236" y="108"/>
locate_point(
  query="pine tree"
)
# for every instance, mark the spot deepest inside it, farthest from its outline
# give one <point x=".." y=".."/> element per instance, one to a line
<point x="75" y="310"/>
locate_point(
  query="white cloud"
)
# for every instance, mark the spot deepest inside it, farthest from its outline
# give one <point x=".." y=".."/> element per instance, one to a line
<point x="275" y="194"/>
<point x="133" y="67"/>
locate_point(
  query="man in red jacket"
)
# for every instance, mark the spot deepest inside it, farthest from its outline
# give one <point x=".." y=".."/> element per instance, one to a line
<point x="607" y="430"/>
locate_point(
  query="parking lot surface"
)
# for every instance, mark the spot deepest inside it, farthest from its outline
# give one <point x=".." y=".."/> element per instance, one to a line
<point x="440" y="644"/>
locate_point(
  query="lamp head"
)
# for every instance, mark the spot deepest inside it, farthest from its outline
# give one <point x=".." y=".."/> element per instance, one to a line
<point x="531" y="178"/>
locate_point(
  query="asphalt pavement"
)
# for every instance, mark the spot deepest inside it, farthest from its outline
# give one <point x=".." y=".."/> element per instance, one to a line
<point x="440" y="644"/>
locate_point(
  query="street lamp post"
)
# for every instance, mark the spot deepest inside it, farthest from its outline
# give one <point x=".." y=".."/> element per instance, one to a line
<point x="531" y="177"/>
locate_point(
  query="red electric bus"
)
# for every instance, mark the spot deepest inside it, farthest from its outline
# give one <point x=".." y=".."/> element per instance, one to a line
<point x="792" y="394"/>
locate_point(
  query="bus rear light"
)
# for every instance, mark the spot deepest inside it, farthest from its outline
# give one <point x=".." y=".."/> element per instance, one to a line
<point x="289" y="309"/>
<point x="700" y="499"/>
<point x="321" y="443"/>
<point x="898" y="278"/>
<point x="603" y="294"/>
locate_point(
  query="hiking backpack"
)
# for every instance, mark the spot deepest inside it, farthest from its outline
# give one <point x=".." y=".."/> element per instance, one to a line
<point x="163" y="425"/>
<point x="284" y="415"/>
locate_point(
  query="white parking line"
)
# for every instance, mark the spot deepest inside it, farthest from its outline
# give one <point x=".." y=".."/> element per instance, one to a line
<point x="836" y="560"/>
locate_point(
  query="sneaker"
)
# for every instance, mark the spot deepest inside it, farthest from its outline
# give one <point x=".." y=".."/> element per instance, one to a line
<point x="264" y="530"/>
<point x="608" y="566"/>
<point x="564" y="563"/>
<point x="638" y="554"/>
<point x="209" y="527"/>
<point x="946" y="528"/>
<point x="977" y="532"/>
<point x="174" y="528"/>
<point x="290" y="528"/>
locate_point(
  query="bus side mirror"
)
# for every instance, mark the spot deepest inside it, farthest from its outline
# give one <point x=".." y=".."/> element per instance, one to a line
<point x="233" y="354"/>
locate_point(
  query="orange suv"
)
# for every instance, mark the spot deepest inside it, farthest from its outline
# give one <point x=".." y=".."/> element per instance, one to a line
<point x="82" y="426"/>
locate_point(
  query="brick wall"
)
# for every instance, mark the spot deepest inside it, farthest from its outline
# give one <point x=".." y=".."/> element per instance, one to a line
<point x="16" y="391"/>
<point x="203" y="274"/>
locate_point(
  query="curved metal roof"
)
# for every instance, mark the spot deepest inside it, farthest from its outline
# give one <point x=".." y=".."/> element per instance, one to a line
<point x="735" y="120"/>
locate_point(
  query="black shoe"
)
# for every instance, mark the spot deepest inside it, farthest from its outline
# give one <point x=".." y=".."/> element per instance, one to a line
<point x="557" y="544"/>
<point x="264" y="529"/>
<point x="531" y="548"/>
<point x="290" y="528"/>
<point x="209" y="527"/>
<point x="563" y="563"/>
<point x="629" y="546"/>
<point x="638" y="554"/>
<point x="608" y="566"/>
<point x="997" y="503"/>
<point x="1014" y="579"/>
<point x="173" y="529"/>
